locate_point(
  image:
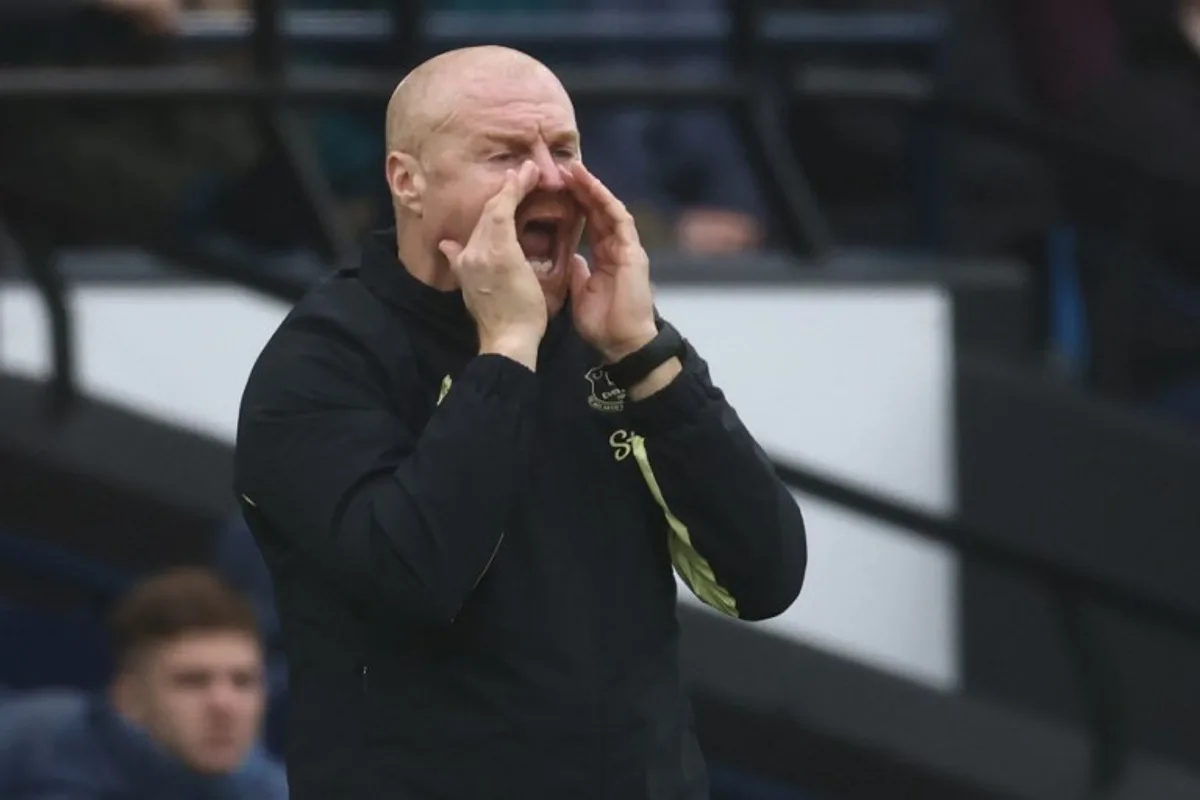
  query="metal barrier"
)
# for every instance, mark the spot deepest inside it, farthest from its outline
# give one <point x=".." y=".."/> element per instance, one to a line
<point x="1068" y="588"/>
<point x="659" y="32"/>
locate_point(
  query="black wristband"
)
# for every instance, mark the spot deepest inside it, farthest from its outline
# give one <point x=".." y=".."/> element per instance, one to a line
<point x="633" y="368"/>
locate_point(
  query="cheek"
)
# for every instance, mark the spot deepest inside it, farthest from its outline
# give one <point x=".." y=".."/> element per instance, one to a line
<point x="185" y="707"/>
<point x="173" y="715"/>
<point x="454" y="204"/>
<point x="249" y="704"/>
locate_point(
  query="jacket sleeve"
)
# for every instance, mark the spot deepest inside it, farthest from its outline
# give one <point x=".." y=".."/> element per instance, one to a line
<point x="736" y="535"/>
<point x="327" y="465"/>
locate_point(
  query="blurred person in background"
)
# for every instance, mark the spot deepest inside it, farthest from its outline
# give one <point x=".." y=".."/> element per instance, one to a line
<point x="1125" y="74"/>
<point x="683" y="172"/>
<point x="110" y="169"/>
<point x="20" y="17"/>
<point x="180" y="720"/>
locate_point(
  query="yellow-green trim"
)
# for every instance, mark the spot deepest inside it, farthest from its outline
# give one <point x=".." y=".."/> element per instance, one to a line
<point x="445" y="390"/>
<point x="692" y="567"/>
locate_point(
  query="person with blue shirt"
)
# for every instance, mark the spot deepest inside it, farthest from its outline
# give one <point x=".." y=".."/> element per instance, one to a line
<point x="180" y="720"/>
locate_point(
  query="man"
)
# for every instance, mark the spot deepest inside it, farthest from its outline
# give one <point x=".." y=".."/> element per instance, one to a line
<point x="180" y="720"/>
<point x="470" y="495"/>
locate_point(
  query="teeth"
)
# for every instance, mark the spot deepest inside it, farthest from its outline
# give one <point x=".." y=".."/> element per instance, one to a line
<point x="542" y="266"/>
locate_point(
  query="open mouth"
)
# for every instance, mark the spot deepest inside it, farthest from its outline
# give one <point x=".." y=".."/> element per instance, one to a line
<point x="539" y="241"/>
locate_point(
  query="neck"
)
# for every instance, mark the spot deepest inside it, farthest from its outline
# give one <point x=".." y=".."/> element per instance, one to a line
<point x="423" y="262"/>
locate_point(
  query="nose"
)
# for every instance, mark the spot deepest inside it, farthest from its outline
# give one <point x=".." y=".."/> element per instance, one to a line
<point x="223" y="697"/>
<point x="551" y="179"/>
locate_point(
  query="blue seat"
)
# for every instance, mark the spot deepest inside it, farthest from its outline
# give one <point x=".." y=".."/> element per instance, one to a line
<point x="40" y="649"/>
<point x="730" y="783"/>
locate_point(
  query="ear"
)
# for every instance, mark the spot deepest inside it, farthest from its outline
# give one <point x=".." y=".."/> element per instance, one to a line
<point x="406" y="180"/>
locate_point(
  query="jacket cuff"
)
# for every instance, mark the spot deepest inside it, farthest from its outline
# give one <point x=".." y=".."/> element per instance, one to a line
<point x="497" y="374"/>
<point x="676" y="404"/>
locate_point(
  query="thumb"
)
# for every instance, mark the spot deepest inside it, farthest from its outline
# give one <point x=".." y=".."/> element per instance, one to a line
<point x="451" y="250"/>
<point x="580" y="273"/>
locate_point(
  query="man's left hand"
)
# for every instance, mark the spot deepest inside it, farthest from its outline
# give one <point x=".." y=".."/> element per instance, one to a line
<point x="611" y="302"/>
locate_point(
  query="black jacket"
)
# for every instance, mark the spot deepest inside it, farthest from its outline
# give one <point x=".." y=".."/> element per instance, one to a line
<point x="472" y="562"/>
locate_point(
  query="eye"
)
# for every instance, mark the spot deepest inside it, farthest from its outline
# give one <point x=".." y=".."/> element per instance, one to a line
<point x="566" y="153"/>
<point x="507" y="155"/>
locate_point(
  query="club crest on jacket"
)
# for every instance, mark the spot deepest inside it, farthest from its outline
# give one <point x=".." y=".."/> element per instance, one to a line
<point x="605" y="395"/>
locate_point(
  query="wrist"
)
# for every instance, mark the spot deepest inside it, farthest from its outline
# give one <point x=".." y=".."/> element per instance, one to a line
<point x="613" y="353"/>
<point x="519" y="348"/>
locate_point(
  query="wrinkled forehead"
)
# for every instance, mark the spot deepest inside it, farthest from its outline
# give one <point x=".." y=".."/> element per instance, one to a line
<point x="528" y="108"/>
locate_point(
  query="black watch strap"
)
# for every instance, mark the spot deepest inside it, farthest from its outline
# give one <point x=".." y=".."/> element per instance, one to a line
<point x="633" y="368"/>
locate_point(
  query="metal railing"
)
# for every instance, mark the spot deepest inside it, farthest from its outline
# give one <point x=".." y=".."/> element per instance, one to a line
<point x="658" y="32"/>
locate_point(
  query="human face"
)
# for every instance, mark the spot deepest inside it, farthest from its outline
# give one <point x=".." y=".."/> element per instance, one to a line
<point x="501" y="123"/>
<point x="199" y="696"/>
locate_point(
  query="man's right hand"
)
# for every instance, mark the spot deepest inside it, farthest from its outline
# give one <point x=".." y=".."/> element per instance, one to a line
<point x="499" y="286"/>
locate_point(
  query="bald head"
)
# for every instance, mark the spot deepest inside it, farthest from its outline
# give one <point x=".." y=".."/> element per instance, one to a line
<point x="432" y="95"/>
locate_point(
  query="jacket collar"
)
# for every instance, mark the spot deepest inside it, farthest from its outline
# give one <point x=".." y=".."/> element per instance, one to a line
<point x="148" y="767"/>
<point x="390" y="280"/>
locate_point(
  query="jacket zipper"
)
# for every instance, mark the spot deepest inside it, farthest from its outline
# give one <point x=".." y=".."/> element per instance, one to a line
<point x="364" y="679"/>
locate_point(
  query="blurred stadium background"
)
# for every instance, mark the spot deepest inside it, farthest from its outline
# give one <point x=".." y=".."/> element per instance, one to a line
<point x="941" y="255"/>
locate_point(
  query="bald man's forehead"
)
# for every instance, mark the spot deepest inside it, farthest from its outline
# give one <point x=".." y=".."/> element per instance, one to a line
<point x="495" y="106"/>
<point x="478" y="90"/>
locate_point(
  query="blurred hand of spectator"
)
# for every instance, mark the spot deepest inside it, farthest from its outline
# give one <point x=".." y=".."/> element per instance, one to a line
<point x="152" y="16"/>
<point x="1189" y="21"/>
<point x="716" y="231"/>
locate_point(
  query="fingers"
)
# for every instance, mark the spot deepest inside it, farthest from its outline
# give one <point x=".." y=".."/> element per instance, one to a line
<point x="517" y="185"/>
<point x="451" y="250"/>
<point x="497" y="224"/>
<point x="604" y="211"/>
<point x="579" y="275"/>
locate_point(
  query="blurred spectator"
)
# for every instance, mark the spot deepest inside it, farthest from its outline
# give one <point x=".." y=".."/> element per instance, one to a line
<point x="96" y="169"/>
<point x="684" y="173"/>
<point x="152" y="16"/>
<point x="1126" y="74"/>
<point x="180" y="720"/>
<point x="687" y="169"/>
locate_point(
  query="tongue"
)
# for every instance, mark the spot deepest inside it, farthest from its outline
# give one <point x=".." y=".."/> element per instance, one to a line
<point x="537" y="244"/>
